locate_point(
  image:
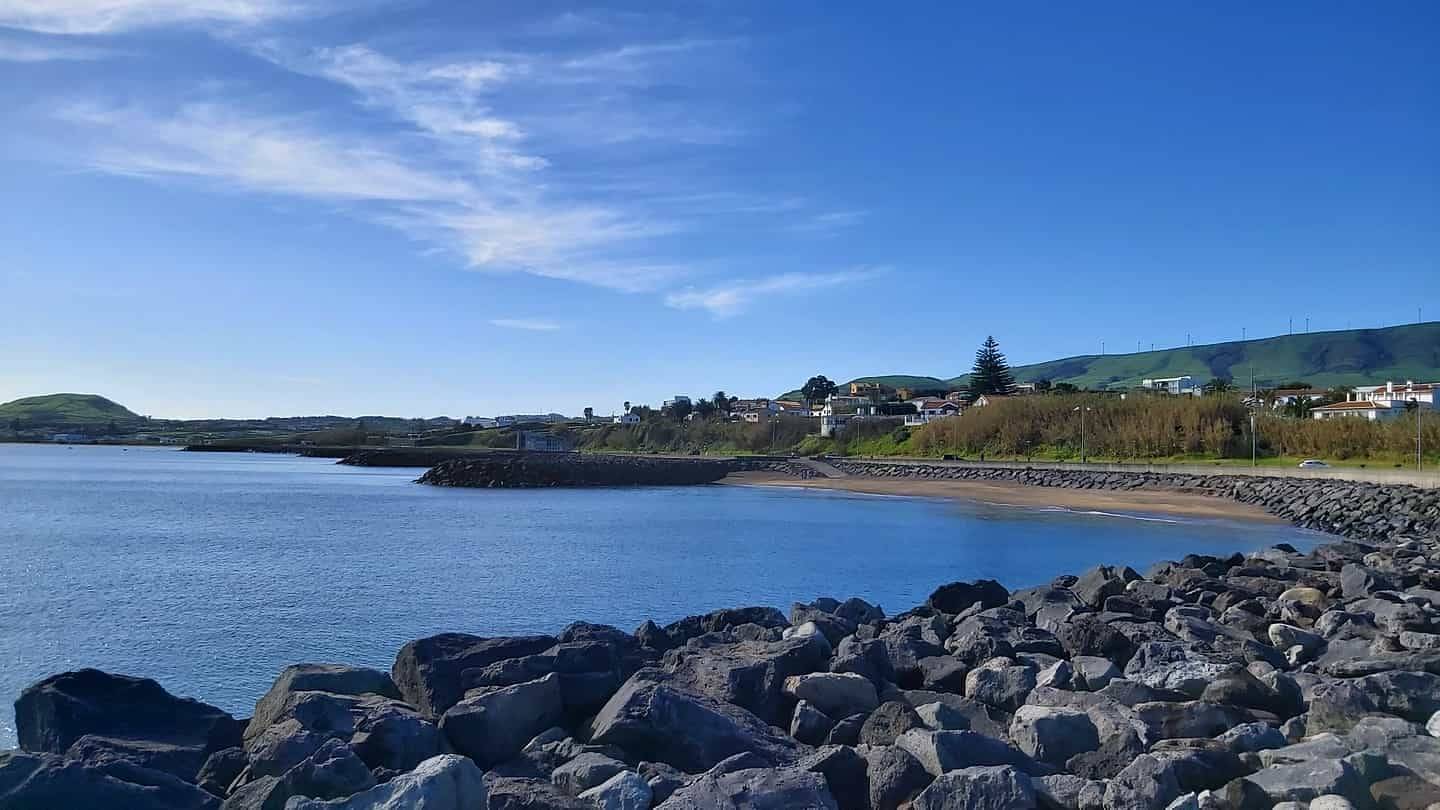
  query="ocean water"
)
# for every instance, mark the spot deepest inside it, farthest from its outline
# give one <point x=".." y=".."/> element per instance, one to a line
<point x="211" y="572"/>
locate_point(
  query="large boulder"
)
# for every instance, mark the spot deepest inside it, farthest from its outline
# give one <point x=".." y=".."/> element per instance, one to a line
<point x="837" y="694"/>
<point x="677" y="633"/>
<point x="1053" y="734"/>
<point x="958" y="597"/>
<point x="750" y="674"/>
<point x="1148" y="783"/>
<point x="978" y="788"/>
<point x="1000" y="683"/>
<point x="1299" y="782"/>
<point x="1101" y="582"/>
<point x="653" y="718"/>
<point x="333" y="771"/>
<point x="336" y="679"/>
<point x="626" y="790"/>
<point x="167" y="733"/>
<point x="890" y="720"/>
<point x="446" y="782"/>
<point x="429" y="672"/>
<point x="943" y="751"/>
<point x="41" y="781"/>
<point x="895" y="776"/>
<point x="845" y="772"/>
<point x="790" y="788"/>
<point x="492" y="726"/>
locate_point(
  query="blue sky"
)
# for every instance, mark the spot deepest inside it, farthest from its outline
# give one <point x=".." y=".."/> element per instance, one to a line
<point x="255" y="207"/>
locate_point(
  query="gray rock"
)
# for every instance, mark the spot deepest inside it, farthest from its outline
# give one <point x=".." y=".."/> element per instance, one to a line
<point x="845" y="772"/>
<point x="1337" y="706"/>
<point x="1285" y="636"/>
<point x="1053" y="734"/>
<point x="429" y="671"/>
<point x="1090" y="635"/>
<point x="889" y="721"/>
<point x="1249" y="737"/>
<point x="895" y="777"/>
<point x="939" y="716"/>
<point x="944" y="673"/>
<point x="585" y="771"/>
<point x="446" y="782"/>
<point x="1148" y="783"/>
<point x="942" y="751"/>
<point x="809" y="725"/>
<point x="754" y="789"/>
<point x="39" y="781"/>
<point x="1096" y="585"/>
<point x="1414" y="696"/>
<point x="1196" y="718"/>
<point x="520" y="793"/>
<point x="1058" y="675"/>
<point x="749" y="674"/>
<point x="1093" y="673"/>
<point x="650" y="718"/>
<point x="1059" y="791"/>
<point x="335" y="679"/>
<point x="836" y="694"/>
<point x="1000" y="683"/>
<point x="626" y="790"/>
<point x="169" y="734"/>
<point x="220" y="770"/>
<point x="1359" y="582"/>
<point x="1299" y="782"/>
<point x="960" y="596"/>
<point x="491" y="727"/>
<point x="978" y="788"/>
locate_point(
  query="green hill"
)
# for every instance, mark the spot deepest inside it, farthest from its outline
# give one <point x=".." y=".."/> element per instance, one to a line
<point x="66" y="409"/>
<point x="1324" y="359"/>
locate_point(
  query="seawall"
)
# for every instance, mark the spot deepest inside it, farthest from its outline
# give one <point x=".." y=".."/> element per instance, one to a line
<point x="521" y="470"/>
<point x="1356" y="509"/>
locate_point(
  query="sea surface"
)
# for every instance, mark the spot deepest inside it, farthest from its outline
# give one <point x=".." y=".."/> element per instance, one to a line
<point x="211" y="572"/>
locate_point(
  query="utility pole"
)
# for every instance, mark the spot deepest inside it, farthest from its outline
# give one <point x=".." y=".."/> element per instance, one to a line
<point x="1252" y="435"/>
<point x="1418" y="412"/>
<point x="1102" y="348"/>
<point x="1290" y="330"/>
<point x="1082" y="409"/>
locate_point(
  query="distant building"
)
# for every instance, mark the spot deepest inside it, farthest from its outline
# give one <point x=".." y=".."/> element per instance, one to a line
<point x="987" y="399"/>
<point x="480" y="422"/>
<point x="1284" y="397"/>
<point x="754" y="410"/>
<point x="790" y="406"/>
<point x="929" y="410"/>
<point x="626" y="419"/>
<point x="1374" y="411"/>
<point x="1023" y="389"/>
<point x="1393" y="393"/>
<point x="873" y="391"/>
<point x="71" y="438"/>
<point x="1380" y="402"/>
<point x="1172" y="385"/>
<point x="962" y="397"/>
<point x="676" y="399"/>
<point x="540" y="441"/>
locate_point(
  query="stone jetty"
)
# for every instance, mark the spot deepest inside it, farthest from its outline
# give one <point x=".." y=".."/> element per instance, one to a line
<point x="1277" y="679"/>
<point x="524" y="470"/>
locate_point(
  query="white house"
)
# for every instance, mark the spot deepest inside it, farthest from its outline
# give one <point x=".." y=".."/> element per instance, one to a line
<point x="627" y="419"/>
<point x="480" y="422"/>
<point x="676" y="399"/>
<point x="1172" y="385"/>
<point x="986" y="399"/>
<point x="1374" y="411"/>
<point x="928" y="410"/>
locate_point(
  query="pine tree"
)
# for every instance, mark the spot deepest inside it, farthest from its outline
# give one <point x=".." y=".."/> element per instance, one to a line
<point x="991" y="374"/>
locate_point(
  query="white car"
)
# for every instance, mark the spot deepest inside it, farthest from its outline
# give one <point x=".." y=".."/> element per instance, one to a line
<point x="1312" y="463"/>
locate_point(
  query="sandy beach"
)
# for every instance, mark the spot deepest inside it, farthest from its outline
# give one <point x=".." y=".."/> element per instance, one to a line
<point x="1008" y="494"/>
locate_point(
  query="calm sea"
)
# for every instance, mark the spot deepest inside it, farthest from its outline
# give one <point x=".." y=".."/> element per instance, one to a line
<point x="210" y="572"/>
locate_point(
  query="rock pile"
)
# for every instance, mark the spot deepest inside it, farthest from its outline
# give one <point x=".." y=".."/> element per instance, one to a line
<point x="524" y="470"/>
<point x="1275" y="679"/>
<point x="1363" y="511"/>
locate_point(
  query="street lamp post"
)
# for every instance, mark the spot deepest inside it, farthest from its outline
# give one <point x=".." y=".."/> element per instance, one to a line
<point x="1082" y="409"/>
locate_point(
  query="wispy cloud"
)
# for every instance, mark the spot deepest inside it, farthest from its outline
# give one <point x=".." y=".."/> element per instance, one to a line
<point x="828" y="221"/>
<point x="726" y="300"/>
<point x="14" y="49"/>
<point x="110" y="16"/>
<point x="528" y="324"/>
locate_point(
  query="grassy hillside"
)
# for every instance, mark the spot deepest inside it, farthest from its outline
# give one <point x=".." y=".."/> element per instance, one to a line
<point x="1350" y="357"/>
<point x="66" y="409"/>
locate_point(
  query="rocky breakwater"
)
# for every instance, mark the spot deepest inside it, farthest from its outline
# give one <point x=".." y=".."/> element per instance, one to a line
<point x="1275" y="679"/>
<point x="1358" y="510"/>
<point x="573" y="470"/>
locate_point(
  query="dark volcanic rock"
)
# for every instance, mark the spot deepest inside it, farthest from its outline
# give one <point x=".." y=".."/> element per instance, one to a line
<point x="652" y="718"/>
<point x="172" y="734"/>
<point x="428" y="671"/>
<point x="40" y="781"/>
<point x="960" y="596"/>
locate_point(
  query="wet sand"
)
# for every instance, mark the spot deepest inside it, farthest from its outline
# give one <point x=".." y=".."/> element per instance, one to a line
<point x="1011" y="494"/>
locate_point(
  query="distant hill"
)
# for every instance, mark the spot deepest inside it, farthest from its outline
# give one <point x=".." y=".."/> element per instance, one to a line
<point x="66" y="409"/>
<point x="1324" y="359"/>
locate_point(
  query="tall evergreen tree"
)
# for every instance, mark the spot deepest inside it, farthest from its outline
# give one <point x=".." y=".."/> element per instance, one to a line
<point x="991" y="374"/>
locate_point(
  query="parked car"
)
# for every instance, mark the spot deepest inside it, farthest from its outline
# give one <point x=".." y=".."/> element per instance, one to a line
<point x="1312" y="463"/>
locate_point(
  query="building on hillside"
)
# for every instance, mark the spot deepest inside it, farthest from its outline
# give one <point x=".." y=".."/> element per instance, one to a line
<point x="480" y="422"/>
<point x="1023" y="389"/>
<point x="928" y="410"/>
<point x="962" y="397"/>
<point x="626" y="419"/>
<point x="1364" y="409"/>
<point x="678" y="398"/>
<point x="1398" y="393"/>
<point x="541" y="442"/>
<point x="1285" y="397"/>
<point x="1177" y="386"/>
<point x="873" y="391"/>
<point x="986" y="399"/>
<point x="792" y="407"/>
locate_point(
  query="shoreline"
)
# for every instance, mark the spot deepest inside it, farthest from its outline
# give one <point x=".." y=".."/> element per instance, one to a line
<point x="1149" y="502"/>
